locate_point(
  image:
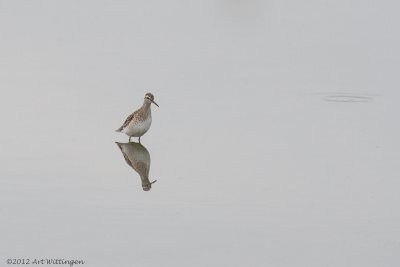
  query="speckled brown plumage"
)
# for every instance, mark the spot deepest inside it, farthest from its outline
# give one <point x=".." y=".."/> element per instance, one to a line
<point x="139" y="122"/>
<point x="138" y="115"/>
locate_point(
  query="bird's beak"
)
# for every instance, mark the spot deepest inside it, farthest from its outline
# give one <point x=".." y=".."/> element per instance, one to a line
<point x="155" y="103"/>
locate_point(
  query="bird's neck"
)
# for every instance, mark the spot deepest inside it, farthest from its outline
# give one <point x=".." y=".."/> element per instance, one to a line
<point x="146" y="107"/>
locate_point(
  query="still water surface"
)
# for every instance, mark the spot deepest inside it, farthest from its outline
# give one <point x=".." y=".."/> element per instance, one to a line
<point x="275" y="144"/>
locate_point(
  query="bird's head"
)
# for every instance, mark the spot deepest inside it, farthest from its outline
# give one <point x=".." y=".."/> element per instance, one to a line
<point x="149" y="98"/>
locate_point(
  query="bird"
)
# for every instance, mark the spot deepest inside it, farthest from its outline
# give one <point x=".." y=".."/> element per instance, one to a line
<point x="139" y="122"/>
<point x="138" y="158"/>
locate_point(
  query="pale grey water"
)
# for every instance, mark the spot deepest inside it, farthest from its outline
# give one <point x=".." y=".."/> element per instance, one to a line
<point x="276" y="142"/>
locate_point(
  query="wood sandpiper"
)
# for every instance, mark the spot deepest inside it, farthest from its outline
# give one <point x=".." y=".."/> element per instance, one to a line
<point x="138" y="123"/>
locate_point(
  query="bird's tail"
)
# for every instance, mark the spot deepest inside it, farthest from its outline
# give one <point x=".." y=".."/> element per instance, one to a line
<point x="119" y="129"/>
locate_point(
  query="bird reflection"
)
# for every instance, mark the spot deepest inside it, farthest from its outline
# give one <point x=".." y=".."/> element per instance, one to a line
<point x="138" y="157"/>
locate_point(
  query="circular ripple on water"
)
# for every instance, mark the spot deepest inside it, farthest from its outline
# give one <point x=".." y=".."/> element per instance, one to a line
<point x="347" y="98"/>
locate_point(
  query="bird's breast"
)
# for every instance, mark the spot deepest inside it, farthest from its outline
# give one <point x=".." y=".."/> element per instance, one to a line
<point x="138" y="127"/>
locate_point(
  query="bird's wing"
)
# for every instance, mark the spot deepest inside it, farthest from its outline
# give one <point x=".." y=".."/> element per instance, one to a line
<point x="127" y="121"/>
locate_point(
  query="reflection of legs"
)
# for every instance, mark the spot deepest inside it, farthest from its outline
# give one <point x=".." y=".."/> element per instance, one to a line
<point x="139" y="139"/>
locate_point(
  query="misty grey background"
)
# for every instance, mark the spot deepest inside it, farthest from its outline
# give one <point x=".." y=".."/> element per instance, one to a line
<point x="258" y="163"/>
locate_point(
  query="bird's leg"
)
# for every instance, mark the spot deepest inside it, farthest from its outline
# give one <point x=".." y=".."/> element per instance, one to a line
<point x="130" y="138"/>
<point x="139" y="139"/>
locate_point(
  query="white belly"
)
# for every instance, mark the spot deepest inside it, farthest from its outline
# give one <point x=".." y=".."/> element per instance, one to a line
<point x="137" y="128"/>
